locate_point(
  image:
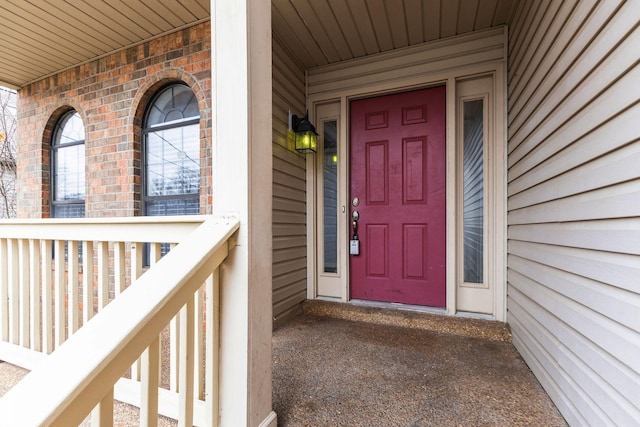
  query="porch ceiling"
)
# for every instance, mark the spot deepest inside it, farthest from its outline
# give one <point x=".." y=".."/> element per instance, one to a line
<point x="43" y="37"/>
<point x="321" y="32"/>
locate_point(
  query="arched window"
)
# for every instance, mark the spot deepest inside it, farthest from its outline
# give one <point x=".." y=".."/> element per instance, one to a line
<point x="67" y="167"/>
<point x="171" y="153"/>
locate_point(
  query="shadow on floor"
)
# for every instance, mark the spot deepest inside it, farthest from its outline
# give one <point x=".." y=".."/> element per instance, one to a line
<point x="337" y="372"/>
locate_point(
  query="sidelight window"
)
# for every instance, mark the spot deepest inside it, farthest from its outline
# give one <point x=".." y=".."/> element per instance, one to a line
<point x="473" y="191"/>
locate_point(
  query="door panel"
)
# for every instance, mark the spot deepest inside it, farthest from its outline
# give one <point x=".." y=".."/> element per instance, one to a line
<point x="398" y="174"/>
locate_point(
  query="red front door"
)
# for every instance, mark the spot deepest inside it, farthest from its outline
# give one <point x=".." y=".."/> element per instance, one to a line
<point x="398" y="180"/>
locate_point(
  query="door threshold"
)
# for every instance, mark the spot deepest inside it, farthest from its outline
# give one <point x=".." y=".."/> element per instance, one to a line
<point x="407" y="316"/>
<point x="409" y="307"/>
<point x="399" y="306"/>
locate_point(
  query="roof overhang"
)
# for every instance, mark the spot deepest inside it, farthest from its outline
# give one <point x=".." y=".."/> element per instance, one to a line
<point x="42" y="38"/>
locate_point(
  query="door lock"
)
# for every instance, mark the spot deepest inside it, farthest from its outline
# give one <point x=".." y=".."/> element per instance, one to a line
<point x="354" y="243"/>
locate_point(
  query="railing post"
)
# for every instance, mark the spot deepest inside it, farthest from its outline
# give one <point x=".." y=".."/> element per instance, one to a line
<point x="242" y="90"/>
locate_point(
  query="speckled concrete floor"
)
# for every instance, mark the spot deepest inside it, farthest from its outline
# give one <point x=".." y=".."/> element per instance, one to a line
<point x="347" y="365"/>
<point x="337" y="372"/>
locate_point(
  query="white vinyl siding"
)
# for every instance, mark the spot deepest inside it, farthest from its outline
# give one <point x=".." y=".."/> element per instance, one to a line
<point x="289" y="190"/>
<point x="574" y="204"/>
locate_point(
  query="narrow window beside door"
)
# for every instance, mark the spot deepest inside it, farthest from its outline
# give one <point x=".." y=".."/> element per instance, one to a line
<point x="473" y="190"/>
<point x="330" y="196"/>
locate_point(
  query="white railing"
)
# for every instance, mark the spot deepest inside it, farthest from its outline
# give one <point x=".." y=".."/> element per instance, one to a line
<point x="50" y="301"/>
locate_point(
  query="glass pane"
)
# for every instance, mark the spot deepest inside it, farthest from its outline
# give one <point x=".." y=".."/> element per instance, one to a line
<point x="69" y="177"/>
<point x="186" y="206"/>
<point x="173" y="161"/>
<point x="473" y="190"/>
<point x="70" y="210"/>
<point x="70" y="130"/>
<point x="175" y="104"/>
<point x="330" y="197"/>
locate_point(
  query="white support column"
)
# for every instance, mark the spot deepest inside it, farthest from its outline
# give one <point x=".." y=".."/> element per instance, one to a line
<point x="242" y="168"/>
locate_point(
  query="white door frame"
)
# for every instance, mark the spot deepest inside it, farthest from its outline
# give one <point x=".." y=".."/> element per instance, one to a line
<point x="427" y="65"/>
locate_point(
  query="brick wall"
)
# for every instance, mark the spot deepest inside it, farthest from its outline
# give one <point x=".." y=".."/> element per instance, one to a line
<point x="111" y="94"/>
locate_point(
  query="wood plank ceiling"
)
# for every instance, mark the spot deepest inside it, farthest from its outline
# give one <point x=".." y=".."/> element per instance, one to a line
<point x="321" y="32"/>
<point x="42" y="37"/>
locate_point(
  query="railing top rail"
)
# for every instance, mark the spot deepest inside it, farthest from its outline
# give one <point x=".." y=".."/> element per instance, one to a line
<point x="75" y="377"/>
<point x="161" y="229"/>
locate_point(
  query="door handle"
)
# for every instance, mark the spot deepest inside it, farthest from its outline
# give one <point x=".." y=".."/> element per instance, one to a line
<point x="354" y="243"/>
<point x="355" y="215"/>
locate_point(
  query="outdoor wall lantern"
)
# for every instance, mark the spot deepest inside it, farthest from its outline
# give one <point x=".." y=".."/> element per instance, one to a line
<point x="305" y="133"/>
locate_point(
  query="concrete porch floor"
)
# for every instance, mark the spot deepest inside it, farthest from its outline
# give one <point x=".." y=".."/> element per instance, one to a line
<point x="347" y="365"/>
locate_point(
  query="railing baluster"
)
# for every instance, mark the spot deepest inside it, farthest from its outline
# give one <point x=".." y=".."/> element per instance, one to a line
<point x="23" y="255"/>
<point x="103" y="274"/>
<point x="14" y="292"/>
<point x="59" y="318"/>
<point x="136" y="271"/>
<point x="72" y="290"/>
<point x="198" y="345"/>
<point x="34" y="292"/>
<point x="102" y="414"/>
<point x="149" y="385"/>
<point x="185" y="401"/>
<point x="174" y="353"/>
<point x="155" y="253"/>
<point x="212" y="344"/>
<point x="4" y="291"/>
<point x="46" y="247"/>
<point x="119" y="267"/>
<point x="87" y="281"/>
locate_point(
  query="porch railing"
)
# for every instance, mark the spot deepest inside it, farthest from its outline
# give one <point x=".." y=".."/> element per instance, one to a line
<point x="72" y="303"/>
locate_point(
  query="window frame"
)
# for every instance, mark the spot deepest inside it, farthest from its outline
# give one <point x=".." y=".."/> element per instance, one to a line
<point x="145" y="130"/>
<point x="54" y="148"/>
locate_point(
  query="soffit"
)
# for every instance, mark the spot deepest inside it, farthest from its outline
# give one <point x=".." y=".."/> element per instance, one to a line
<point x="321" y="32"/>
<point x="42" y="37"/>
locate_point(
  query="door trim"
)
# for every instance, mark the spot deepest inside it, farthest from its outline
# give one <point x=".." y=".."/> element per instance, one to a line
<point x="379" y="82"/>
